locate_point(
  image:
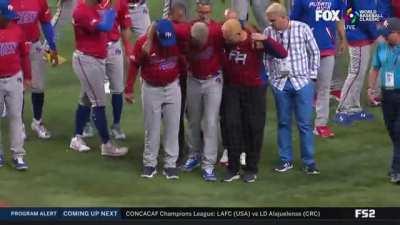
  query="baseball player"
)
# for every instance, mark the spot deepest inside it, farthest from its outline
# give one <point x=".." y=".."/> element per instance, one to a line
<point x="63" y="15"/>
<point x="258" y="7"/>
<point x="161" y="95"/>
<point x="89" y="63"/>
<point x="204" y="92"/>
<point x="15" y="71"/>
<point x="244" y="104"/>
<point x="187" y="4"/>
<point x="31" y="14"/>
<point x="360" y="35"/>
<point x="324" y="30"/>
<point x="115" y="64"/>
<point x="140" y="16"/>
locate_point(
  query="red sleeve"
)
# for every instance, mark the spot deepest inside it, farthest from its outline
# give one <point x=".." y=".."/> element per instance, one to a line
<point x="124" y="18"/>
<point x="182" y="31"/>
<point x="85" y="19"/>
<point x="24" y="47"/>
<point x="274" y="48"/>
<point x="135" y="63"/>
<point x="45" y="13"/>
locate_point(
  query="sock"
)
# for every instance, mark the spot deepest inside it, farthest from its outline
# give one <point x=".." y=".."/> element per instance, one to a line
<point x="100" y="120"/>
<point x="37" y="105"/>
<point x="81" y="117"/>
<point x="117" y="103"/>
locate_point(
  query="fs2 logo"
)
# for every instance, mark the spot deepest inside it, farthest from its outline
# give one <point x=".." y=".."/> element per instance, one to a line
<point x="364" y="213"/>
<point x="327" y="15"/>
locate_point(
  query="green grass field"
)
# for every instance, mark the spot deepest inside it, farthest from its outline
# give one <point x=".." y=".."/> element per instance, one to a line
<point x="353" y="165"/>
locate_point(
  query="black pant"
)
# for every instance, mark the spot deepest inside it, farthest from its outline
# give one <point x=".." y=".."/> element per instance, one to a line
<point x="182" y="82"/>
<point x="243" y="112"/>
<point x="391" y="115"/>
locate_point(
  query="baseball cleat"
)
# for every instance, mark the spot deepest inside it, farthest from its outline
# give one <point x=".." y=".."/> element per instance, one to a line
<point x="40" y="129"/>
<point x="249" y="177"/>
<point x="209" y="175"/>
<point x="19" y="163"/>
<point x="117" y="132"/>
<point x="243" y="159"/>
<point x="224" y="158"/>
<point x="171" y="173"/>
<point x="229" y="176"/>
<point x="78" y="144"/>
<point x="323" y="131"/>
<point x="191" y="164"/>
<point x="88" y="131"/>
<point x="110" y="149"/>
<point x="148" y="172"/>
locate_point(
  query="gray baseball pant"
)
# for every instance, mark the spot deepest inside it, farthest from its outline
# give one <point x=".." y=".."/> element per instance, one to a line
<point x="91" y="74"/>
<point x="140" y="19"/>
<point x="115" y="67"/>
<point x="323" y="90"/>
<point x="11" y="93"/>
<point x="203" y="105"/>
<point x="351" y="91"/>
<point x="161" y="105"/>
<point x="37" y="64"/>
<point x="258" y="7"/>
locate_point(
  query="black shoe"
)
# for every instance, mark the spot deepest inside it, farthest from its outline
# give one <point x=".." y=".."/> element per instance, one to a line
<point x="149" y="172"/>
<point x="229" y="176"/>
<point x="249" y="177"/>
<point x="171" y="173"/>
<point x="284" y="167"/>
<point x="311" y="169"/>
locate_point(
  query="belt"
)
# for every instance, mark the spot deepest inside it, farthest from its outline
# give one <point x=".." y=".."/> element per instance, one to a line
<point x="135" y="5"/>
<point x="6" y="76"/>
<point x="208" y="76"/>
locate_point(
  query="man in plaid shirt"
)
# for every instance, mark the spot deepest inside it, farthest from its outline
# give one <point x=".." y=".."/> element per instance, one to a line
<point x="293" y="85"/>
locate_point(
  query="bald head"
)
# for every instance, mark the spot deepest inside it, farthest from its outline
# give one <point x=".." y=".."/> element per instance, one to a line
<point x="232" y="31"/>
<point x="199" y="33"/>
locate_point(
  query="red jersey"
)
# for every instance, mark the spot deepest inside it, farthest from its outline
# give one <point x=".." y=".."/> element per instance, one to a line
<point x="161" y="67"/>
<point x="122" y="20"/>
<point x="244" y="64"/>
<point x="31" y="13"/>
<point x="88" y="39"/>
<point x="14" y="52"/>
<point x="396" y="8"/>
<point x="206" y="62"/>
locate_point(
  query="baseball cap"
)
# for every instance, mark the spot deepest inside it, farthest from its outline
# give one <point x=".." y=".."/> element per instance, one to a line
<point x="7" y="11"/>
<point x="389" y="26"/>
<point x="166" y="33"/>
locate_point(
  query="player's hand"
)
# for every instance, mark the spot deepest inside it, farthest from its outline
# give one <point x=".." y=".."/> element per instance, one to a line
<point x="53" y="58"/>
<point x="371" y="96"/>
<point x="27" y="84"/>
<point x="129" y="98"/>
<point x="258" y="37"/>
<point x="341" y="47"/>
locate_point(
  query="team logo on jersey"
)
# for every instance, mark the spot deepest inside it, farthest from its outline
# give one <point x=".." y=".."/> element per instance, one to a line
<point x="26" y="17"/>
<point x="8" y="48"/>
<point x="237" y="57"/>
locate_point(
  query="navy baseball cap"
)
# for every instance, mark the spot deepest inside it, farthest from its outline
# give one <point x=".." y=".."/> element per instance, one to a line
<point x="389" y="26"/>
<point x="7" y="11"/>
<point x="166" y="33"/>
